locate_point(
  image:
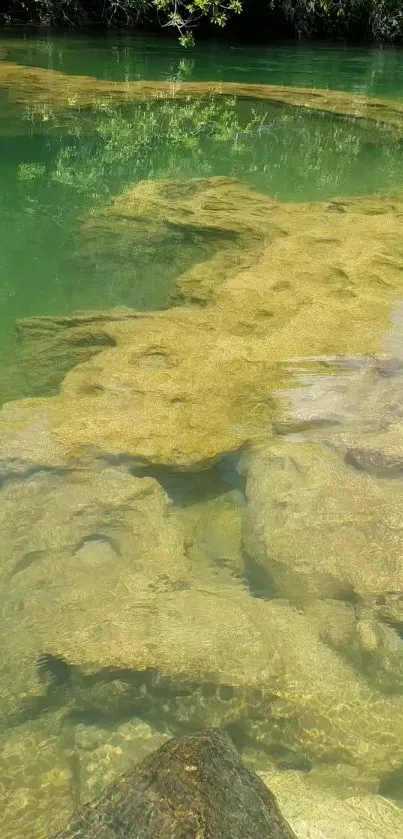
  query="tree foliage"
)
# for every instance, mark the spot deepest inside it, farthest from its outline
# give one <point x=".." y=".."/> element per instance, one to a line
<point x="181" y="15"/>
<point x="375" y="19"/>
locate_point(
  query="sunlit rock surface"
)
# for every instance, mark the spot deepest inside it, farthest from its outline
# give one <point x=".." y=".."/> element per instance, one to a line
<point x="184" y="387"/>
<point x="229" y="221"/>
<point x="316" y="813"/>
<point x="322" y="528"/>
<point x="72" y="543"/>
<point x="179" y="396"/>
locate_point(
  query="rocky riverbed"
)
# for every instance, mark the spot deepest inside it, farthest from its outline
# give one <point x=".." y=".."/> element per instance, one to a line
<point x="200" y="511"/>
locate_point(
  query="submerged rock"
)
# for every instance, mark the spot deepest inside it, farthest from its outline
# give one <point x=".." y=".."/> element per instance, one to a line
<point x="37" y="791"/>
<point x="86" y="546"/>
<point x="196" y="787"/>
<point x="185" y="658"/>
<point x="182" y="388"/>
<point x="148" y="630"/>
<point x="213" y="534"/>
<point x="320" y="528"/>
<point x="221" y="222"/>
<point x="318" y="811"/>
<point x="50" y="92"/>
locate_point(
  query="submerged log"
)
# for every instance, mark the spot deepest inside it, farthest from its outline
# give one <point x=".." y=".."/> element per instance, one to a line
<point x="194" y="787"/>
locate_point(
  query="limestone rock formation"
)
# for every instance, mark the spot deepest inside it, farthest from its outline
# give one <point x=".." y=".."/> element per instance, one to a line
<point x="185" y="657"/>
<point x="145" y="403"/>
<point x="181" y="388"/>
<point x="75" y="547"/>
<point x="353" y="404"/>
<point x="151" y="625"/>
<point x="321" y="528"/>
<point x="226" y="223"/>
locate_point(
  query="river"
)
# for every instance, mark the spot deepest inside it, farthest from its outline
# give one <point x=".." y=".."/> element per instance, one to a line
<point x="201" y="439"/>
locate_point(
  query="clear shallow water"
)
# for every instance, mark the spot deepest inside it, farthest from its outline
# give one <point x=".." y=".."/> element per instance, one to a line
<point x="54" y="171"/>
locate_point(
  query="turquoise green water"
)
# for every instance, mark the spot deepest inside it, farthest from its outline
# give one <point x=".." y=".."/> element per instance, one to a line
<point x="53" y="173"/>
<point x="373" y="72"/>
<point x="67" y="741"/>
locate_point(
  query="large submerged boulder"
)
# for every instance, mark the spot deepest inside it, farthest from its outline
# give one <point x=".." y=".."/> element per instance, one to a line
<point x="193" y="788"/>
<point x="77" y="549"/>
<point x="184" y="656"/>
<point x="321" y="528"/>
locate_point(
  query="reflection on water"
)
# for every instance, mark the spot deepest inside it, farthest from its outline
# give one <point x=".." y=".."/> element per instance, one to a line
<point x="289" y="154"/>
<point x="371" y="71"/>
<point x="200" y="511"/>
<point x="53" y="173"/>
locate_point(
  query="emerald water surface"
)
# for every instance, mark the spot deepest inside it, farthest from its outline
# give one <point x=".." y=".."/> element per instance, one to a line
<point x="56" y="168"/>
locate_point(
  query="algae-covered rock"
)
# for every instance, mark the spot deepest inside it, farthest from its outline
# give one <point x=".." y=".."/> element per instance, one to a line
<point x="74" y="546"/>
<point x="211" y="226"/>
<point x="225" y="223"/>
<point x="184" y="387"/>
<point x="179" y="394"/>
<point x="321" y="528"/>
<point x="49" y="93"/>
<point x="326" y="287"/>
<point x="144" y="634"/>
<point x="193" y="787"/>
<point x="151" y="625"/>
<point x="319" y="812"/>
<point x="186" y="658"/>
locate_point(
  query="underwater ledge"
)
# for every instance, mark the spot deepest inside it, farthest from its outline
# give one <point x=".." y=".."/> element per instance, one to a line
<point x="36" y="86"/>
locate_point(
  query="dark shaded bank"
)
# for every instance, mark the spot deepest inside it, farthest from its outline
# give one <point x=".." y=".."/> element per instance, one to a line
<point x="258" y="20"/>
<point x="196" y="787"/>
